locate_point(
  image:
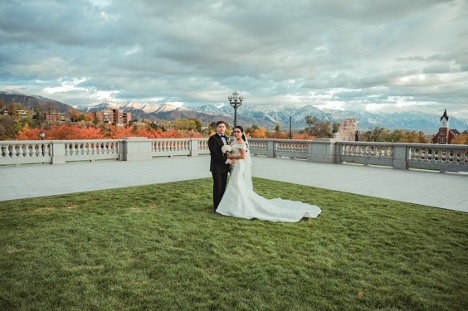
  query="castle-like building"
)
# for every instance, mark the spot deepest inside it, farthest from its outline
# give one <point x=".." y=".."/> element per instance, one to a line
<point x="445" y="134"/>
<point x="347" y="131"/>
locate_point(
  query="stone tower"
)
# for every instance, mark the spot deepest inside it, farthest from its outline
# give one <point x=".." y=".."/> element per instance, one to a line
<point x="346" y="130"/>
<point x="445" y="135"/>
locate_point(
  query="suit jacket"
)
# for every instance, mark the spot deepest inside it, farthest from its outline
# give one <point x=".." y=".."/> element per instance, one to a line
<point x="218" y="158"/>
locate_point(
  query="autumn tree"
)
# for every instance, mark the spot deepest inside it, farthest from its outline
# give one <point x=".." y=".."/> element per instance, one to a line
<point x="251" y="129"/>
<point x="198" y="124"/>
<point x="183" y="124"/>
<point x="88" y="132"/>
<point x="318" y="128"/>
<point x="7" y="127"/>
<point x="461" y="139"/>
<point x="378" y="134"/>
<point x="259" y="133"/>
<point x="39" y="116"/>
<point x="14" y="121"/>
<point x="116" y="132"/>
<point x="74" y="115"/>
<point x="29" y="133"/>
<point x="61" y="132"/>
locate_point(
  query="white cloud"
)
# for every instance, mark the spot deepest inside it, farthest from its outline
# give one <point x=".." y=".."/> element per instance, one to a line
<point x="66" y="86"/>
<point x="333" y="54"/>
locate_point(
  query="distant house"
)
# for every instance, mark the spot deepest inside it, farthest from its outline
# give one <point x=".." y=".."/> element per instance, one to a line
<point x="56" y="117"/>
<point x="21" y="113"/>
<point x="445" y="135"/>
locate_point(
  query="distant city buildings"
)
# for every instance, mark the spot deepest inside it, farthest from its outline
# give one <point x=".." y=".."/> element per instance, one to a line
<point x="107" y="116"/>
<point x="114" y="116"/>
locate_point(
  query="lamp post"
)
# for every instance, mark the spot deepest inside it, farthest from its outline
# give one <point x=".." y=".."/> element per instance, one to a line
<point x="235" y="100"/>
<point x="42" y="134"/>
<point x="290" y="131"/>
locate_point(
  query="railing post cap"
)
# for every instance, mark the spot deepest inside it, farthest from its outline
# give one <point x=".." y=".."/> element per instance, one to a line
<point x="135" y="138"/>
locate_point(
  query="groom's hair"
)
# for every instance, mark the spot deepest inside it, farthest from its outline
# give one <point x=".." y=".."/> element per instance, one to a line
<point x="220" y="122"/>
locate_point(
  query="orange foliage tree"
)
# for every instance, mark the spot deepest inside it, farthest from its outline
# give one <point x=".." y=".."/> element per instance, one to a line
<point x="304" y="136"/>
<point x="28" y="134"/>
<point x="116" y="132"/>
<point x="259" y="133"/>
<point x="461" y="139"/>
<point x="88" y="133"/>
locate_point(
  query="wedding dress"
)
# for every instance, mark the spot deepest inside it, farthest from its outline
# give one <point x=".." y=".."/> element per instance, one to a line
<point x="239" y="199"/>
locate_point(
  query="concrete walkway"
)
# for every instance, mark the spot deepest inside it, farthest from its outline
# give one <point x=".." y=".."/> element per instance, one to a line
<point x="449" y="191"/>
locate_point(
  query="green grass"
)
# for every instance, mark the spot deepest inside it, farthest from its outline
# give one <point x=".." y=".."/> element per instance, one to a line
<point x="160" y="247"/>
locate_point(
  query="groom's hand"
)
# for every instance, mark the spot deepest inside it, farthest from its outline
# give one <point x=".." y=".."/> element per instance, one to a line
<point x="231" y="161"/>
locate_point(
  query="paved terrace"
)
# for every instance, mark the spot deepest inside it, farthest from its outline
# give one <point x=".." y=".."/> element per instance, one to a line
<point x="449" y="190"/>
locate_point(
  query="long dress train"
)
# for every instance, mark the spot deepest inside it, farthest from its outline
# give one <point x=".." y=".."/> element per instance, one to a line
<point x="241" y="201"/>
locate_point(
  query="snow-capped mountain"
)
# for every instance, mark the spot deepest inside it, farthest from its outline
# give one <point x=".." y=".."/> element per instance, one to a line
<point x="270" y="115"/>
<point x="247" y="115"/>
<point x="153" y="111"/>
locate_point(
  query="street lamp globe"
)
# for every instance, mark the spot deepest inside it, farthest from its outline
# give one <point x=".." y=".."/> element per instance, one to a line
<point x="42" y="134"/>
<point x="235" y="100"/>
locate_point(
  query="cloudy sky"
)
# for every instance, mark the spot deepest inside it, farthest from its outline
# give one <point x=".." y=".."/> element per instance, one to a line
<point x="363" y="55"/>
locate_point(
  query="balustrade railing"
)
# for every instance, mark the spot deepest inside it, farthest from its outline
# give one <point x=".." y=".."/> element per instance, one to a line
<point x="438" y="157"/>
<point x="27" y="151"/>
<point x="366" y="153"/>
<point x="170" y="147"/>
<point x="396" y="155"/>
<point x="91" y="150"/>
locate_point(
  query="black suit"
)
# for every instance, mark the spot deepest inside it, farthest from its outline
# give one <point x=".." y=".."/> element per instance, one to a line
<point x="218" y="167"/>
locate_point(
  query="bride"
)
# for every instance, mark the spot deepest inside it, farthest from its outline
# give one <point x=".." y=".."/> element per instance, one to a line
<point x="241" y="201"/>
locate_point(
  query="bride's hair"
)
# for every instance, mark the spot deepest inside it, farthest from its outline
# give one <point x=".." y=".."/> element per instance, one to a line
<point x="242" y="130"/>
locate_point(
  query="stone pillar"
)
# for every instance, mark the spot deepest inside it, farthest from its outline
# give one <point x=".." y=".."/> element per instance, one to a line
<point x="135" y="149"/>
<point x="322" y="150"/>
<point x="58" y="152"/>
<point x="193" y="148"/>
<point x="400" y="156"/>
<point x="271" y="148"/>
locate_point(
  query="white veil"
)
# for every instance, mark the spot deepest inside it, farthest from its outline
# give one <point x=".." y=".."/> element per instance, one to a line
<point x="248" y="165"/>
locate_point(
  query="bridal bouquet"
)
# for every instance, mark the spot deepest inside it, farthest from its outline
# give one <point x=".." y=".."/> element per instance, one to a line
<point x="226" y="149"/>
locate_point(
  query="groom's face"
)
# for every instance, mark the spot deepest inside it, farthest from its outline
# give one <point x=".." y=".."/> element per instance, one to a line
<point x="221" y="128"/>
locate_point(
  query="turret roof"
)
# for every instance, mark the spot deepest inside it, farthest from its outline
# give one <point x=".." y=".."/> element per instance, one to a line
<point x="444" y="115"/>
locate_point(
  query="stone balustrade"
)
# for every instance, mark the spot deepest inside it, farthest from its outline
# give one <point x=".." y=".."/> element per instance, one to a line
<point x="397" y="155"/>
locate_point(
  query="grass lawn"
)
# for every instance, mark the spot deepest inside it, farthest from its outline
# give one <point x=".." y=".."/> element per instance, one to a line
<point x="160" y="247"/>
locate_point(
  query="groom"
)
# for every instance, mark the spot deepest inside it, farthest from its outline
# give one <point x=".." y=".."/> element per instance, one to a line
<point x="219" y="164"/>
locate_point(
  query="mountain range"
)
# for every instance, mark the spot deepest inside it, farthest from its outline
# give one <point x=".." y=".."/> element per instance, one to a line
<point x="261" y="115"/>
<point x="270" y="115"/>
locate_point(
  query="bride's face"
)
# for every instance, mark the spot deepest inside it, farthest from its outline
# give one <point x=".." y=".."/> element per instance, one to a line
<point x="237" y="133"/>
